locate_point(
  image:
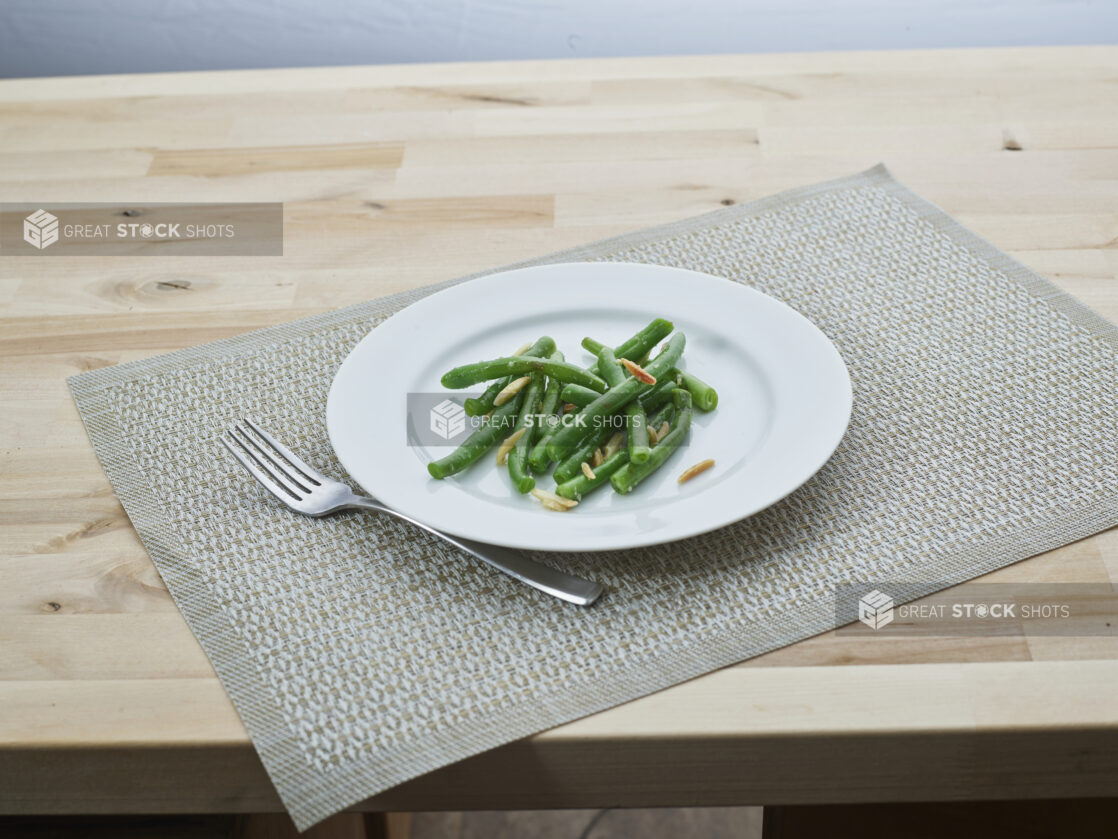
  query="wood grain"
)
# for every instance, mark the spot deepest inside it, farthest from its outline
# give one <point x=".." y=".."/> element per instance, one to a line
<point x="397" y="176"/>
<point x="216" y="163"/>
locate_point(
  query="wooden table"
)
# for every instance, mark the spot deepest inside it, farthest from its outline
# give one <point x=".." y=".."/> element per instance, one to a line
<point x="397" y="176"/>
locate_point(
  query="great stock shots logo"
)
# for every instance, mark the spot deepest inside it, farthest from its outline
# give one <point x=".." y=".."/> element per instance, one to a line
<point x="875" y="609"/>
<point x="943" y="608"/>
<point x="159" y="229"/>
<point x="40" y="229"/>
<point x="448" y="419"/>
<point x="435" y="421"/>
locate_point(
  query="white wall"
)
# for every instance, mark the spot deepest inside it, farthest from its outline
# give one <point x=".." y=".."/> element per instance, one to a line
<point x="61" y="37"/>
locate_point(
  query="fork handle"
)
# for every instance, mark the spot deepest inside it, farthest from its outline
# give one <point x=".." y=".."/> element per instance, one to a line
<point x="539" y="576"/>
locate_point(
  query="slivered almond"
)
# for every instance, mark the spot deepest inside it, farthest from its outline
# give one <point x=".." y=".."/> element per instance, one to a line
<point x="598" y="459"/>
<point x="506" y="447"/>
<point x="613" y="445"/>
<point x="638" y="372"/>
<point x="523" y="349"/>
<point x="569" y="406"/>
<point x="511" y="389"/>
<point x="655" y="435"/>
<point x="554" y="502"/>
<point x="699" y="467"/>
<point x="587" y="471"/>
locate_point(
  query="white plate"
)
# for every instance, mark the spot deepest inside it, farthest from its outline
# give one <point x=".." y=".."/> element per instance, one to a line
<point x="784" y="402"/>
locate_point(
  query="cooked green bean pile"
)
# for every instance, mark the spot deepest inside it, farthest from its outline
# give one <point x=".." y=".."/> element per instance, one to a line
<point x="616" y="421"/>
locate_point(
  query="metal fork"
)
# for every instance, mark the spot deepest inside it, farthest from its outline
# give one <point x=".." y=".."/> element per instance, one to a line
<point x="306" y="490"/>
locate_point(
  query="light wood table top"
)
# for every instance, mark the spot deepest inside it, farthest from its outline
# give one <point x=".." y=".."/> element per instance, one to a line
<point x="398" y="176"/>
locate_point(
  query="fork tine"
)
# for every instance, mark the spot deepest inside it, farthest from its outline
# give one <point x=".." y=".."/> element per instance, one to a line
<point x="265" y="479"/>
<point x="308" y="472"/>
<point x="269" y="461"/>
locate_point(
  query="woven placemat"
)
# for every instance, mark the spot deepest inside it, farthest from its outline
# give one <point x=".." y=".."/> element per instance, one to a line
<point x="361" y="653"/>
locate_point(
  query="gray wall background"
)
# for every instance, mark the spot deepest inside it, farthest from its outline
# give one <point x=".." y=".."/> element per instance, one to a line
<point x="66" y="37"/>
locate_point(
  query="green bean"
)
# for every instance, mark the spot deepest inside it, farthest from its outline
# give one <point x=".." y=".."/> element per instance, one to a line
<point x="578" y="395"/>
<point x="626" y="478"/>
<point x="637" y="346"/>
<point x="572" y="464"/>
<point x="518" y="457"/>
<point x="549" y="403"/>
<point x="519" y="365"/>
<point x="607" y="366"/>
<point x="580" y="485"/>
<point x="593" y="347"/>
<point x="703" y="395"/>
<point x="482" y="405"/>
<point x="661" y="393"/>
<point x="480" y="441"/>
<point x="614" y="400"/>
<point x="538" y="460"/>
<point x="661" y="416"/>
<point x="636" y="429"/>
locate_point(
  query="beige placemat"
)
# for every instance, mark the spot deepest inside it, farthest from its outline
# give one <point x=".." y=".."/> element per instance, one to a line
<point x="361" y="653"/>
